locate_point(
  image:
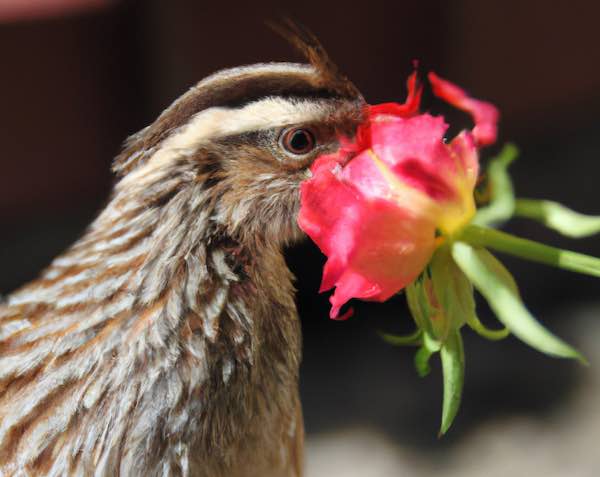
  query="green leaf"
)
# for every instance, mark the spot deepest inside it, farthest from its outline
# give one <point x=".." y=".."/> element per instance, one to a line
<point x="502" y="203"/>
<point x="498" y="287"/>
<point x="558" y="217"/>
<point x="453" y="369"/>
<point x="530" y="250"/>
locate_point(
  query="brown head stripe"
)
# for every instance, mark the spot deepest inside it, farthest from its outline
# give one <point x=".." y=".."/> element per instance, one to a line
<point x="231" y="88"/>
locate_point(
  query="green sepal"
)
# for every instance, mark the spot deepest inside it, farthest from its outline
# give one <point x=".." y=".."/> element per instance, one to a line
<point x="453" y="369"/>
<point x="453" y="292"/>
<point x="502" y="197"/>
<point x="422" y="356"/>
<point x="498" y="287"/>
<point x="456" y="295"/>
<point x="422" y="361"/>
<point x="476" y="325"/>
<point x="418" y="304"/>
<point x="558" y="217"/>
<point x="530" y="250"/>
<point x="414" y="339"/>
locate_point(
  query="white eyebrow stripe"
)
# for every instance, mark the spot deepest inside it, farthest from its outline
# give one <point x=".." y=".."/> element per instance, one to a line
<point x="263" y="114"/>
<point x="217" y="122"/>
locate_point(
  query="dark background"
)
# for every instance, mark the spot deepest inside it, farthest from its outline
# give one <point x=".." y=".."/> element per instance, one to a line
<point x="74" y="84"/>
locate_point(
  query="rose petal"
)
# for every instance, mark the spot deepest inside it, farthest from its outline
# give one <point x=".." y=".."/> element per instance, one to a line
<point x="409" y="108"/>
<point x="414" y="150"/>
<point x="484" y="114"/>
<point x="374" y="247"/>
<point x="464" y="151"/>
<point x="373" y="207"/>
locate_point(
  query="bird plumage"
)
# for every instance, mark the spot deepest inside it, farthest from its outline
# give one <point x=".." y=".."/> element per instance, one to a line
<point x="166" y="340"/>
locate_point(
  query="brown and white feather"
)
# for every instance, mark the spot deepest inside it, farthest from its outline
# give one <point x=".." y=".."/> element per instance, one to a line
<point x="166" y="340"/>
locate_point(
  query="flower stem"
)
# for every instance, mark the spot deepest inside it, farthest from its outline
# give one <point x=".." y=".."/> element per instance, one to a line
<point x="530" y="250"/>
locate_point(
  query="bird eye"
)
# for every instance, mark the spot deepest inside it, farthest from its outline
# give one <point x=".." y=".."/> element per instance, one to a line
<point x="297" y="141"/>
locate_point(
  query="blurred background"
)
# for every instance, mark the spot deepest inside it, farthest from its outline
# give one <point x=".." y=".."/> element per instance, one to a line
<point x="78" y="76"/>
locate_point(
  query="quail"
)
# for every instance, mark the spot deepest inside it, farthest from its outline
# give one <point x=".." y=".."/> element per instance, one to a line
<point x="166" y="340"/>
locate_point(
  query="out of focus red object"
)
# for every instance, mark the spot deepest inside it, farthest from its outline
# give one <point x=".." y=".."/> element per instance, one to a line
<point x="13" y="10"/>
